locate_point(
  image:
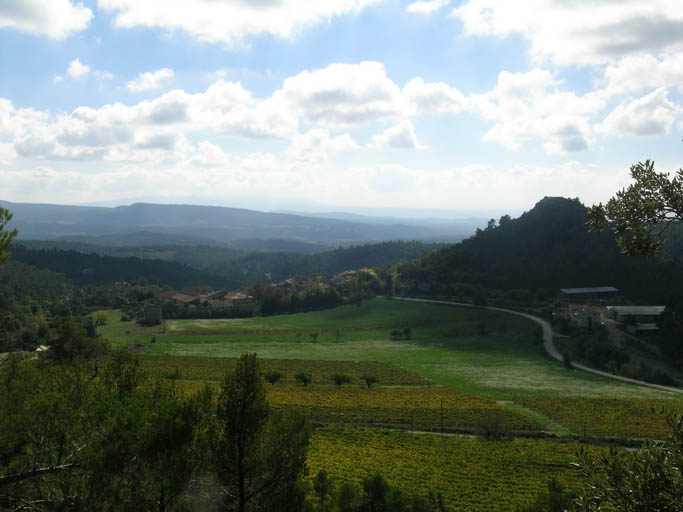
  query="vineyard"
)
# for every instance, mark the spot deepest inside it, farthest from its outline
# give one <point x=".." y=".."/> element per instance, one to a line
<point x="608" y="417"/>
<point x="457" y="371"/>
<point x="321" y="372"/>
<point x="470" y="473"/>
<point x="419" y="408"/>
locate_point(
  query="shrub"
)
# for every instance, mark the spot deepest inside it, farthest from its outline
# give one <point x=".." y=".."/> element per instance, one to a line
<point x="340" y="379"/>
<point x="273" y="377"/>
<point x="370" y="380"/>
<point x="173" y="375"/>
<point x="491" y="427"/>
<point x="304" y="378"/>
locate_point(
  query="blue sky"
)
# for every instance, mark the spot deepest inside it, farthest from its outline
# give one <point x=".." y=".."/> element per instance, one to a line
<point x="461" y="105"/>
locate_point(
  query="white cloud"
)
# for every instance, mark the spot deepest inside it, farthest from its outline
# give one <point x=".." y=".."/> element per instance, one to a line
<point x="433" y="98"/>
<point x="653" y="114"/>
<point x="635" y="73"/>
<point x="76" y="70"/>
<point x="581" y="32"/>
<point x="151" y="130"/>
<point x="401" y="136"/>
<point x="427" y="6"/>
<point x="342" y="95"/>
<point x="7" y="153"/>
<point x="316" y="146"/>
<point x="229" y="21"/>
<point x="56" y="19"/>
<point x="527" y="107"/>
<point x="149" y="80"/>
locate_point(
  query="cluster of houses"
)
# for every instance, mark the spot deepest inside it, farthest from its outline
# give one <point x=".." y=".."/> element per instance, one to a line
<point x="304" y="282"/>
<point x="580" y="313"/>
<point x="221" y="300"/>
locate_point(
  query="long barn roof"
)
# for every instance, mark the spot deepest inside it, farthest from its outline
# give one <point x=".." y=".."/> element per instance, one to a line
<point x="598" y="289"/>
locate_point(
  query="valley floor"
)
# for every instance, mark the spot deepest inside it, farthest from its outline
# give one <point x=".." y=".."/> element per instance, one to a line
<point x="438" y="368"/>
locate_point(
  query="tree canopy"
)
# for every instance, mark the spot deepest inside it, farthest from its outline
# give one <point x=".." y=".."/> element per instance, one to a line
<point x="5" y="235"/>
<point x="641" y="214"/>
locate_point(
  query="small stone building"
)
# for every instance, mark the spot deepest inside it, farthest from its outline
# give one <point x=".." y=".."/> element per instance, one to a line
<point x="582" y="316"/>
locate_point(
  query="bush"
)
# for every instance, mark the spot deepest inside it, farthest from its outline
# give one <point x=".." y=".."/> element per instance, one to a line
<point x="340" y="379"/>
<point x="173" y="375"/>
<point x="370" y="380"/>
<point x="396" y="334"/>
<point x="273" y="377"/>
<point x="304" y="378"/>
<point x="491" y="427"/>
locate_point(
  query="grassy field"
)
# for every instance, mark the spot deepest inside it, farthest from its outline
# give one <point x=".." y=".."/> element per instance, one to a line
<point x="481" y="352"/>
<point x="475" y="364"/>
<point x="470" y="473"/>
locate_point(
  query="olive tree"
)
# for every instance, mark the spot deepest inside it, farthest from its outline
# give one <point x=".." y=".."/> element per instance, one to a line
<point x="641" y="213"/>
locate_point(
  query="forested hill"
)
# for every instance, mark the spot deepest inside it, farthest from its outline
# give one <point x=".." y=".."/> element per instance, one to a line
<point x="280" y="266"/>
<point x="93" y="269"/>
<point x="213" y="266"/>
<point x="547" y="248"/>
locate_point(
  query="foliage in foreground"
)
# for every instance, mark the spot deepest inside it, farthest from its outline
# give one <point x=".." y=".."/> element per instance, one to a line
<point x="641" y="213"/>
<point x="650" y="478"/>
<point x="71" y="440"/>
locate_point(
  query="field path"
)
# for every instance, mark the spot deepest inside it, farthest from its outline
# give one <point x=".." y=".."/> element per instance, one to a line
<point x="548" y="342"/>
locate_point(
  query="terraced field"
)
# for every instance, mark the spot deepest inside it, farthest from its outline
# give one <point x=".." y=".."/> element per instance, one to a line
<point x="409" y="408"/>
<point x="458" y="369"/>
<point x="608" y="416"/>
<point x="213" y="368"/>
<point x="471" y="474"/>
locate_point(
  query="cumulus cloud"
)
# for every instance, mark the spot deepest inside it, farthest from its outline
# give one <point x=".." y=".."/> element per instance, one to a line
<point x="149" y="80"/>
<point x="653" y="114"/>
<point x="7" y="153"/>
<point x="529" y="107"/>
<point x="401" y="136"/>
<point x="433" y="98"/>
<point x="317" y="145"/>
<point x="229" y="21"/>
<point x="427" y="6"/>
<point x="581" y="32"/>
<point x="342" y="95"/>
<point x="77" y="70"/>
<point x="153" y="130"/>
<point x="56" y="19"/>
<point x="635" y="73"/>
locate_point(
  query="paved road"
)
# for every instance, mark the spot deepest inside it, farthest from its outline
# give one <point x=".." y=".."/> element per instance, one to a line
<point x="549" y="345"/>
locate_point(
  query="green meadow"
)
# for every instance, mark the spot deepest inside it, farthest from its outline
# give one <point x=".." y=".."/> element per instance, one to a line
<point x="455" y="370"/>
<point x="488" y="353"/>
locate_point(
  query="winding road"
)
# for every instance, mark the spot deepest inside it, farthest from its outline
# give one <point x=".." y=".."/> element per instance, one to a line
<point x="548" y="343"/>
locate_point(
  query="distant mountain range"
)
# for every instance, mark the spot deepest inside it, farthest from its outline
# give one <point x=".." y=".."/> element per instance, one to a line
<point x="159" y="224"/>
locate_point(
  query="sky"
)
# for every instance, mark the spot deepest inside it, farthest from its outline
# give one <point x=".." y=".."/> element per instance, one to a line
<point x="473" y="105"/>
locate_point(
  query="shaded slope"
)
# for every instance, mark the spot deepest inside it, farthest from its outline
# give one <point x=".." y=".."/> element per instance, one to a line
<point x="548" y="247"/>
